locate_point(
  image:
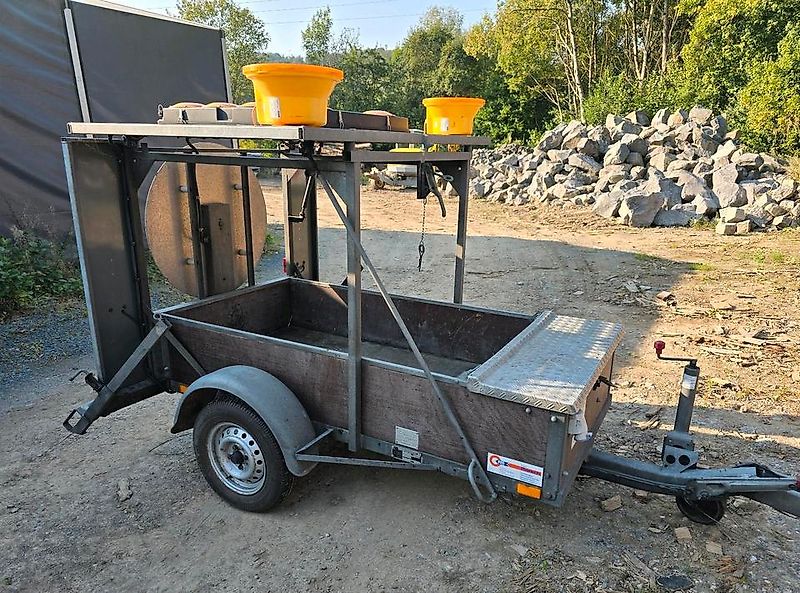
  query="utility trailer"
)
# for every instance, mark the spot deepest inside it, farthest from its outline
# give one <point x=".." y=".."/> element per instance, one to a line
<point x="273" y="374"/>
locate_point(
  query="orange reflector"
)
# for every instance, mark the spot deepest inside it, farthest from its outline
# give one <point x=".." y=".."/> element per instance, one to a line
<point x="530" y="491"/>
<point x="182" y="388"/>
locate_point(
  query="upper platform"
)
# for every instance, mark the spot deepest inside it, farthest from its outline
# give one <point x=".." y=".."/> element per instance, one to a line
<point x="280" y="133"/>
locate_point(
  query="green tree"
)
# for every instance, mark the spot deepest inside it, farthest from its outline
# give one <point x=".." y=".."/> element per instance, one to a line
<point x="768" y="107"/>
<point x="318" y="38"/>
<point x="727" y="38"/>
<point x="431" y="61"/>
<point x="366" y="83"/>
<point x="245" y="37"/>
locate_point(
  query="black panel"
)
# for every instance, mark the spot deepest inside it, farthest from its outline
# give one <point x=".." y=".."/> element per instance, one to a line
<point x="132" y="63"/>
<point x="37" y="98"/>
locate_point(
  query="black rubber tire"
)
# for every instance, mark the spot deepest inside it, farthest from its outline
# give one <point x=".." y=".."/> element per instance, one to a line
<point x="278" y="480"/>
<point x="704" y="512"/>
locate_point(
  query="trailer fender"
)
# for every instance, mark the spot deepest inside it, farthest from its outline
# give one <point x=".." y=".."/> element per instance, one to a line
<point x="266" y="395"/>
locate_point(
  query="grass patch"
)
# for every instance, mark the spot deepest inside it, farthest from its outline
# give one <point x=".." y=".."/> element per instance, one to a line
<point x="33" y="270"/>
<point x="700" y="267"/>
<point x="777" y="257"/>
<point x="271" y="244"/>
<point x="646" y="257"/>
<point x="703" y="223"/>
<point x="763" y="256"/>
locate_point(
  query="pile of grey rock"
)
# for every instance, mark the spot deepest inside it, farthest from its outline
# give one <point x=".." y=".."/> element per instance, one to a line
<point x="668" y="170"/>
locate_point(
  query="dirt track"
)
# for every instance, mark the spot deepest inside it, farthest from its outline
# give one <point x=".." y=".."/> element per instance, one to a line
<point x="63" y="528"/>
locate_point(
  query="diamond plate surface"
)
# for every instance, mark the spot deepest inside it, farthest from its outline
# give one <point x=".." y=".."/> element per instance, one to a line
<point x="552" y="364"/>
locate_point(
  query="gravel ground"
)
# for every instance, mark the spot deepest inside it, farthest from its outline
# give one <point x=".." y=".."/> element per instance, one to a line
<point x="66" y="525"/>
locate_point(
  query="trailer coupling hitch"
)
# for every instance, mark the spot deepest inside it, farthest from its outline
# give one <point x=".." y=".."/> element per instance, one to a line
<point x="700" y="493"/>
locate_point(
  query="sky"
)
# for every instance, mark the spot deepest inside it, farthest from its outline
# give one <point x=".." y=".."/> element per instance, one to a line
<point x="379" y="22"/>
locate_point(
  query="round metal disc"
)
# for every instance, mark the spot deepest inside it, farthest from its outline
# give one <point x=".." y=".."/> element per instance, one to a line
<point x="169" y="233"/>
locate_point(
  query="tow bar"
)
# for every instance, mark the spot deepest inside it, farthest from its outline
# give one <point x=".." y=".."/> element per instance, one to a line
<point x="700" y="493"/>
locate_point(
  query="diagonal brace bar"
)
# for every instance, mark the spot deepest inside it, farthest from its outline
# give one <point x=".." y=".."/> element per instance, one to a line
<point x="443" y="401"/>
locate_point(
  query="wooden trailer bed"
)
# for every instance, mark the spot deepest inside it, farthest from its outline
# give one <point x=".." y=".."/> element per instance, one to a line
<point x="297" y="330"/>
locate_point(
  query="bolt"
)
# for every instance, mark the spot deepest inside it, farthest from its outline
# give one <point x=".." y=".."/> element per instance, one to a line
<point x="183" y="189"/>
<point x="528" y="410"/>
<point x="553" y="418"/>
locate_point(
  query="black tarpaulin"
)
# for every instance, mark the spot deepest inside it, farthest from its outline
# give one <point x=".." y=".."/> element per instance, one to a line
<point x="37" y="98"/>
<point x="131" y="63"/>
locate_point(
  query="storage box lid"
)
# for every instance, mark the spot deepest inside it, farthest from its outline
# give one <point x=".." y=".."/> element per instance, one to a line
<point x="552" y="364"/>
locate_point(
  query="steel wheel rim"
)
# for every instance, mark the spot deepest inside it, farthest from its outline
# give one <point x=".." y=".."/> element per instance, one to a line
<point x="236" y="458"/>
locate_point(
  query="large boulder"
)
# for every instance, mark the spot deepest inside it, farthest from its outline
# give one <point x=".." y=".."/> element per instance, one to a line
<point x="678" y="118"/>
<point x="700" y="115"/>
<point x="672" y="218"/>
<point x="635" y="143"/>
<point x="616" y="154"/>
<point x="731" y="214"/>
<point x="607" y="204"/>
<point x="706" y="205"/>
<point x="615" y="173"/>
<point x="559" y="156"/>
<point x="725" y="175"/>
<point x="639" y="208"/>
<point x="660" y="118"/>
<point x="584" y="163"/>
<point x="662" y="160"/>
<point x="730" y="195"/>
<point x="550" y="140"/>
<point x="671" y="191"/>
<point x="748" y="160"/>
<point x="638" y="117"/>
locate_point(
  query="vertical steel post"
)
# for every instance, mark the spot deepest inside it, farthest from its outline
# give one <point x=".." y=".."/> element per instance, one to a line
<point x="248" y="226"/>
<point x="349" y="187"/>
<point x="198" y="249"/>
<point x="461" y="185"/>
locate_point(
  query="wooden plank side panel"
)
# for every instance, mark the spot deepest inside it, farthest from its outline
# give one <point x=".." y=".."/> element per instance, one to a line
<point x="443" y="329"/>
<point x="390" y="398"/>
<point x="318" y="381"/>
<point x="259" y="310"/>
<point x="393" y="399"/>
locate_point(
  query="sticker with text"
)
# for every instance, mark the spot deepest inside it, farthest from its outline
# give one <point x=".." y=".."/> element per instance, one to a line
<point x="516" y="470"/>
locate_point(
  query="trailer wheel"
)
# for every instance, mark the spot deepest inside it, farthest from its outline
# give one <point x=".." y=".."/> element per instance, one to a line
<point x="705" y="512"/>
<point x="239" y="456"/>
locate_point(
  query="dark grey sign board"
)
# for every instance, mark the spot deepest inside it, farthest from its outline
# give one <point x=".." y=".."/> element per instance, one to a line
<point x="86" y="60"/>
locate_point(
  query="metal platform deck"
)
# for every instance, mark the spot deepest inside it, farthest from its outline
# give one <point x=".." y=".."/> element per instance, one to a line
<point x="552" y="364"/>
<point x="285" y="133"/>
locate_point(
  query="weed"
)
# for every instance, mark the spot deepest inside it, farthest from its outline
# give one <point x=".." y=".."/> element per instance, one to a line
<point x="703" y="223"/>
<point x="32" y="270"/>
<point x="777" y="257"/>
<point x="700" y="267"/>
<point x="271" y="244"/>
<point x="646" y="257"/>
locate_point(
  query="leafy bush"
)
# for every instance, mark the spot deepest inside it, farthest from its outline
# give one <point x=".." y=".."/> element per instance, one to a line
<point x="620" y="95"/>
<point x="727" y="38"/>
<point x="33" y="269"/>
<point x="768" y="107"/>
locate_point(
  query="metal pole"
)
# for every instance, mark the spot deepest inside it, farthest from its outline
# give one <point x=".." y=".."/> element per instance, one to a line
<point x="198" y="250"/>
<point x="248" y="226"/>
<point x="461" y="184"/>
<point x="354" y="244"/>
<point x="352" y="192"/>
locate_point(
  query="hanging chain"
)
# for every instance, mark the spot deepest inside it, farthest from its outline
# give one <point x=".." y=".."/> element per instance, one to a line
<point x="421" y="246"/>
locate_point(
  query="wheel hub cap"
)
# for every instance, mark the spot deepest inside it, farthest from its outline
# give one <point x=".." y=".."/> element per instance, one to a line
<point x="236" y="458"/>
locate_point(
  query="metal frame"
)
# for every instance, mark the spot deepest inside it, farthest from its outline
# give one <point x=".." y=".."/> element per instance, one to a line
<point x="140" y="12"/>
<point x="343" y="173"/>
<point x="77" y="67"/>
